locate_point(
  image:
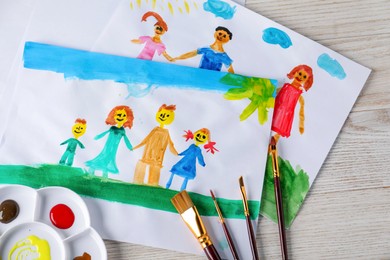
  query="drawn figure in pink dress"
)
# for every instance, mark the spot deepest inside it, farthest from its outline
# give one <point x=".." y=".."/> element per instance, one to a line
<point x="153" y="44"/>
<point x="287" y="98"/>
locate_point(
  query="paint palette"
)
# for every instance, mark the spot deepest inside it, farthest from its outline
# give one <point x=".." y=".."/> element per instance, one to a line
<point x="49" y="223"/>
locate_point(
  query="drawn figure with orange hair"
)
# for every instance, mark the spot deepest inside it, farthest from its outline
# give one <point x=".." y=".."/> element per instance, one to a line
<point x="155" y="145"/>
<point x="78" y="130"/>
<point x="153" y="44"/>
<point x="287" y="99"/>
<point x="119" y="118"/>
<point x="186" y="167"/>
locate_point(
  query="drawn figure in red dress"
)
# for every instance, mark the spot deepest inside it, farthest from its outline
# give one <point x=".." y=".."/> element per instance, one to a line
<point x="287" y="98"/>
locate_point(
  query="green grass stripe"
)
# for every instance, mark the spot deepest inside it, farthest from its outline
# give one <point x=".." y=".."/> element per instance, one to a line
<point x="87" y="185"/>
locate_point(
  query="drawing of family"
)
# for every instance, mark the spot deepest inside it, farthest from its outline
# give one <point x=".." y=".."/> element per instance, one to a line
<point x="213" y="56"/>
<point x="156" y="143"/>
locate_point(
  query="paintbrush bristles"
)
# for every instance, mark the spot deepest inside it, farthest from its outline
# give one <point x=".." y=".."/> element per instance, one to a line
<point x="241" y="181"/>
<point x="212" y="194"/>
<point x="182" y="201"/>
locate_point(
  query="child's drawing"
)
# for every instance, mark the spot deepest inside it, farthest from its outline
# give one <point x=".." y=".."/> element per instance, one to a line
<point x="155" y="144"/>
<point x="186" y="167"/>
<point x="287" y="98"/>
<point x="220" y="9"/>
<point x="276" y="36"/>
<point x="78" y="130"/>
<point x="153" y="44"/>
<point x="214" y="55"/>
<point x="119" y="118"/>
<point x="258" y="91"/>
<point x="332" y="66"/>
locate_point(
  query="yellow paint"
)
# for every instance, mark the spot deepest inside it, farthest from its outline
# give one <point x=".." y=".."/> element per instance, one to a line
<point x="165" y="117"/>
<point x="187" y="6"/>
<point x="138" y="3"/>
<point x="120" y="117"/>
<point x="154" y="4"/>
<point x="131" y="6"/>
<point x="30" y="248"/>
<point x="181" y="11"/>
<point x="170" y="7"/>
<point x="79" y="129"/>
<point x="201" y="137"/>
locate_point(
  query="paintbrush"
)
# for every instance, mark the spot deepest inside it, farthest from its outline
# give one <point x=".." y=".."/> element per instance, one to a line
<point x="191" y="217"/>
<point x="251" y="234"/>
<point x="225" y="228"/>
<point x="278" y="197"/>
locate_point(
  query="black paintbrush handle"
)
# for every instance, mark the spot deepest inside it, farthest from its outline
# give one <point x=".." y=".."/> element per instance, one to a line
<point x="211" y="253"/>
<point x="279" y="210"/>
<point x="252" y="238"/>
<point x="230" y="242"/>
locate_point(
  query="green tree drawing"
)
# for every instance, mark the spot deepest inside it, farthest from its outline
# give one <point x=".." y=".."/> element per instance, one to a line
<point x="258" y="90"/>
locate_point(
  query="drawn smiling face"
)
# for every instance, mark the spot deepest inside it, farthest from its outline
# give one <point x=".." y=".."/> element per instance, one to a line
<point x="200" y="137"/>
<point x="222" y="36"/>
<point x="78" y="129"/>
<point x="301" y="76"/>
<point x="159" y="30"/>
<point x="120" y="117"/>
<point x="165" y="117"/>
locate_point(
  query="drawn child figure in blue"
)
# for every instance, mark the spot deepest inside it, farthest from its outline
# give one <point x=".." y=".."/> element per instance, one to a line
<point x="119" y="118"/>
<point x="213" y="56"/>
<point x="186" y="167"/>
<point x="78" y="130"/>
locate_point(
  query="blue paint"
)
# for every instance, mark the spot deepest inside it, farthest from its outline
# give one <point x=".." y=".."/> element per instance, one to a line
<point x="220" y="9"/>
<point x="212" y="59"/>
<point x="275" y="36"/>
<point x="332" y="66"/>
<point x="186" y="167"/>
<point x="140" y="76"/>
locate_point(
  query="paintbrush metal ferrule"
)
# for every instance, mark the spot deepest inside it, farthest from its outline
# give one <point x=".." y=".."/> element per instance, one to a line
<point x="193" y="221"/>
<point x="244" y="197"/>
<point x="274" y="156"/>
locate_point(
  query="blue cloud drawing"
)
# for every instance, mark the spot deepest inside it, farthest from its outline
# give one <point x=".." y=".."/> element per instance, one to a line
<point x="219" y="8"/>
<point x="275" y="36"/>
<point x="331" y="66"/>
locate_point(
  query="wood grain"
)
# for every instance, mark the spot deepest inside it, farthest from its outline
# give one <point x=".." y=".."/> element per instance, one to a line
<point x="346" y="214"/>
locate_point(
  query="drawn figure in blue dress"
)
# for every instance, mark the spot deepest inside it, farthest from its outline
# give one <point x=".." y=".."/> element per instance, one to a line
<point x="78" y="129"/>
<point x="119" y="118"/>
<point x="186" y="167"/>
<point x="213" y="56"/>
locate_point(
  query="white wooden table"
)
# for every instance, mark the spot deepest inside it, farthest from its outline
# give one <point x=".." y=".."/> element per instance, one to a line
<point x="346" y="214"/>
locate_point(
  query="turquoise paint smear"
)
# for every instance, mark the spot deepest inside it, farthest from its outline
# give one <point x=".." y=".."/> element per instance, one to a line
<point x="332" y="66"/>
<point x="140" y="76"/>
<point x="220" y="9"/>
<point x="275" y="36"/>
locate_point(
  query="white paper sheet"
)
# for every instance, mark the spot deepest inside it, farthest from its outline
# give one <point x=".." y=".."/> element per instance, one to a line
<point x="109" y="27"/>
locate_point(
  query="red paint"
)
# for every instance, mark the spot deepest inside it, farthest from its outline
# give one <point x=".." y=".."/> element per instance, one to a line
<point x="62" y="216"/>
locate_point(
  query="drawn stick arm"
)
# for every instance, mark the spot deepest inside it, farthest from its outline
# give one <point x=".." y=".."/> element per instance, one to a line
<point x="301" y="115"/>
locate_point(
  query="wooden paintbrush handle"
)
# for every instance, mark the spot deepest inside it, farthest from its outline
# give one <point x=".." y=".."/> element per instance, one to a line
<point x="279" y="210"/>
<point x="252" y="238"/>
<point x="230" y="242"/>
<point x="211" y="253"/>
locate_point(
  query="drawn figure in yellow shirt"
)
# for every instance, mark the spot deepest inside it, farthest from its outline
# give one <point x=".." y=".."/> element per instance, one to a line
<point x="155" y="145"/>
